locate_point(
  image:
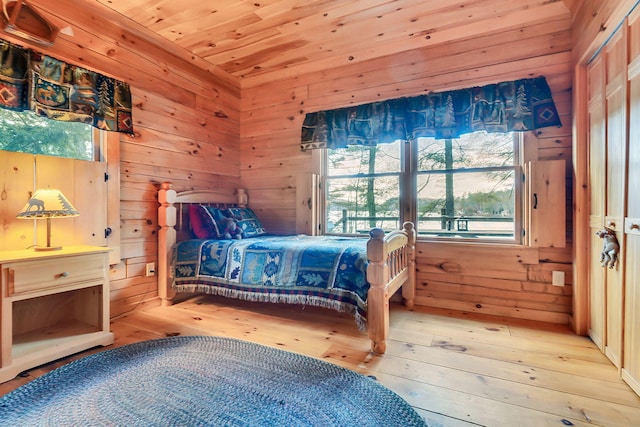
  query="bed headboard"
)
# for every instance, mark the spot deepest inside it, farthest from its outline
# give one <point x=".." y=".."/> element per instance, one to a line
<point x="173" y="220"/>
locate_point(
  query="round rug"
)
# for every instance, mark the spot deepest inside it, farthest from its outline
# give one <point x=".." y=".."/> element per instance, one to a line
<point x="204" y="381"/>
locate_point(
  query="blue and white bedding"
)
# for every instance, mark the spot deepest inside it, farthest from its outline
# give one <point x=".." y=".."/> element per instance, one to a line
<point x="325" y="271"/>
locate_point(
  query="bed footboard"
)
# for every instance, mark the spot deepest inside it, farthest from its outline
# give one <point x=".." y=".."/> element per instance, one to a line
<point x="391" y="266"/>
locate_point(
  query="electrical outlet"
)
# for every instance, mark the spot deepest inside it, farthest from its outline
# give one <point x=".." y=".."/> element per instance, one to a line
<point x="151" y="269"/>
<point x="557" y="278"/>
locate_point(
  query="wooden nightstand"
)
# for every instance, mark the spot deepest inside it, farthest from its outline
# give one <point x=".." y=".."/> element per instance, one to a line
<point x="53" y="304"/>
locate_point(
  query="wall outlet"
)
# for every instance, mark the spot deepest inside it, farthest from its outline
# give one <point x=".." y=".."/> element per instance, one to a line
<point x="151" y="269"/>
<point x="557" y="278"/>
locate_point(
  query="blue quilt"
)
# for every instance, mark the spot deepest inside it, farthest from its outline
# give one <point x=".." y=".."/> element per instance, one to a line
<point x="325" y="271"/>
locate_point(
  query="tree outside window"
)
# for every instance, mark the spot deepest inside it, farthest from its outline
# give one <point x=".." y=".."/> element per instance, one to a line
<point x="25" y="132"/>
<point x="363" y="188"/>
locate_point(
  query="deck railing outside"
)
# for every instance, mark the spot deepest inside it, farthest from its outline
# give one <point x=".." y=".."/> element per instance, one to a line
<point x="462" y="226"/>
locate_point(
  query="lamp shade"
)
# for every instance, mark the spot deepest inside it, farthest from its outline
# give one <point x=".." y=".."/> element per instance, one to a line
<point x="47" y="203"/>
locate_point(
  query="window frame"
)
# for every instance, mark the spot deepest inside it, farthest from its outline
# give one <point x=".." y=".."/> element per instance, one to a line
<point x="408" y="182"/>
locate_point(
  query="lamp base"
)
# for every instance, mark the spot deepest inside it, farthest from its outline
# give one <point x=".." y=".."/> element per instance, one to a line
<point x="47" y="248"/>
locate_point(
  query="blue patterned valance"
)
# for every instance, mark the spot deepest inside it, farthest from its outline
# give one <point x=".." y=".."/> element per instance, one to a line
<point x="60" y="91"/>
<point x="518" y="105"/>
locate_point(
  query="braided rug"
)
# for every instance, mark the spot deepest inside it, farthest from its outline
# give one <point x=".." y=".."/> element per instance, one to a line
<point x="203" y="381"/>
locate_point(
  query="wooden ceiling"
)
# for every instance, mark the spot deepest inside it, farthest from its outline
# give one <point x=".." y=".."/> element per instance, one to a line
<point x="257" y="41"/>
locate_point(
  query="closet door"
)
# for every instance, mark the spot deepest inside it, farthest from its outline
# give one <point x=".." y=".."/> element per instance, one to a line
<point x="616" y="180"/>
<point x="597" y="187"/>
<point x="631" y="362"/>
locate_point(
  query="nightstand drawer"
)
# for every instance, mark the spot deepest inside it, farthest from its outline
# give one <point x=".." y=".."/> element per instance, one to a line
<point x="33" y="276"/>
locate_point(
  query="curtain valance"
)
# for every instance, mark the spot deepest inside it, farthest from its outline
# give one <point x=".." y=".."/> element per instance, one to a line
<point x="518" y="105"/>
<point x="60" y="91"/>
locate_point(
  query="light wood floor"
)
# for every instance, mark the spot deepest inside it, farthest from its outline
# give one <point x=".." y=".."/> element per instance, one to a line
<point x="456" y="369"/>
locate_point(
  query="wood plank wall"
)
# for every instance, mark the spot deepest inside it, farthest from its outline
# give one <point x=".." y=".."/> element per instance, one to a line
<point x="188" y="122"/>
<point x="499" y="280"/>
<point x="186" y="129"/>
<point x="593" y="23"/>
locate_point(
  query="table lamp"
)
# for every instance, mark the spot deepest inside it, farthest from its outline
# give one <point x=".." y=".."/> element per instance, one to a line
<point x="47" y="203"/>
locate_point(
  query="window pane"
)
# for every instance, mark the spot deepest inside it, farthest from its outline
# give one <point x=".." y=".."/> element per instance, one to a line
<point x="364" y="160"/>
<point x="365" y="192"/>
<point x="25" y="132"/>
<point x="355" y="205"/>
<point x="467" y="204"/>
<point x="475" y="150"/>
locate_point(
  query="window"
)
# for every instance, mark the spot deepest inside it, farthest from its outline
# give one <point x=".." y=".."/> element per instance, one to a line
<point x="464" y="188"/>
<point x="25" y="132"/>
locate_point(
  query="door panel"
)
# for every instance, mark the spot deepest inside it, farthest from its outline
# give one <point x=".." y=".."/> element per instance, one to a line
<point x="597" y="158"/>
<point x="631" y="362"/>
<point x="631" y="355"/>
<point x="616" y="102"/>
<point x="614" y="177"/>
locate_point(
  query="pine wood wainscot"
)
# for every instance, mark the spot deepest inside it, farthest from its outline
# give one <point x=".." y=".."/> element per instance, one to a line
<point x="54" y="304"/>
<point x="391" y="256"/>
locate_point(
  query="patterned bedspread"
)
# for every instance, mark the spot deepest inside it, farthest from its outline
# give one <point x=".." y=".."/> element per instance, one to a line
<point x="325" y="271"/>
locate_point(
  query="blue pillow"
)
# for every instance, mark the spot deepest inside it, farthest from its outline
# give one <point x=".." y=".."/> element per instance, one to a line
<point x="247" y="221"/>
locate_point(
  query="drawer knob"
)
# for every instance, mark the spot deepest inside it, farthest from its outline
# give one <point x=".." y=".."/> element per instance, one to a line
<point x="64" y="274"/>
<point x="634" y="227"/>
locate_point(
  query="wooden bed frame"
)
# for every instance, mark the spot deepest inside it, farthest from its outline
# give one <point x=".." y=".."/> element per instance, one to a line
<point x="391" y="256"/>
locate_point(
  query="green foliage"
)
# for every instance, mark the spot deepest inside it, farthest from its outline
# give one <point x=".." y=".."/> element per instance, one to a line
<point x="25" y="132"/>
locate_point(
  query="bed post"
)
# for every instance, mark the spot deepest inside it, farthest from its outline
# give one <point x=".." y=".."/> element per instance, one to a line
<point x="391" y="265"/>
<point x="377" y="300"/>
<point x="166" y="240"/>
<point x="409" y="288"/>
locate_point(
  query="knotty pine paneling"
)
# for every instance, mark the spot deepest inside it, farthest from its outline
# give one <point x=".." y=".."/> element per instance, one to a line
<point x="187" y="124"/>
<point x="438" y="68"/>
<point x="412" y="27"/>
<point x="190" y="115"/>
<point x="594" y="21"/>
<point x="116" y="30"/>
<point x="493" y="279"/>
